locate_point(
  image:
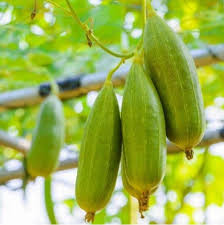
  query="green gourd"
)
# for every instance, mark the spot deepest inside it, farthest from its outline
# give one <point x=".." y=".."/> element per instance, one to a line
<point x="100" y="154"/>
<point x="174" y="75"/>
<point x="48" y="139"/>
<point x="144" y="138"/>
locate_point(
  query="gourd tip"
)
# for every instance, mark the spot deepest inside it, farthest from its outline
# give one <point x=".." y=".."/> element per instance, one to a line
<point x="143" y="203"/>
<point x="89" y="217"/>
<point x="189" y="154"/>
<point x="151" y="11"/>
<point x="142" y="216"/>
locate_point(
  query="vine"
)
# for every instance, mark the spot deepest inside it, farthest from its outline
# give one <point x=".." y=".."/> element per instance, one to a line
<point x="49" y="204"/>
<point x="90" y="35"/>
<point x="34" y="12"/>
<point x="92" y="38"/>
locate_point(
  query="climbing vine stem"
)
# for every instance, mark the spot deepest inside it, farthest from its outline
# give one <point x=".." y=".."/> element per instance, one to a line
<point x="75" y="16"/>
<point x="59" y="7"/>
<point x="126" y="56"/>
<point x="34" y="12"/>
<point x="91" y="36"/>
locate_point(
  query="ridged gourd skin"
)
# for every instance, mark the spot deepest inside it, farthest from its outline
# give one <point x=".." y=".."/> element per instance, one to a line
<point x="174" y="75"/>
<point x="143" y="131"/>
<point x="100" y="154"/>
<point x="48" y="138"/>
<point x="130" y="189"/>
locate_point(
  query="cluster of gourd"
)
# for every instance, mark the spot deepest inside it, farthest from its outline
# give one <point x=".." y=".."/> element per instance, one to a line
<point x="162" y="97"/>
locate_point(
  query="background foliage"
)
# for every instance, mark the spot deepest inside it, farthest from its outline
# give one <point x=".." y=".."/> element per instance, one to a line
<point x="53" y="44"/>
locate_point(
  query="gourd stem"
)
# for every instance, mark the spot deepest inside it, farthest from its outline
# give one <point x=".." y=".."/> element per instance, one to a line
<point x="150" y="9"/>
<point x="144" y="10"/>
<point x="54" y="85"/>
<point x="138" y="58"/>
<point x="91" y="36"/>
<point x="110" y="74"/>
<point x="144" y="13"/>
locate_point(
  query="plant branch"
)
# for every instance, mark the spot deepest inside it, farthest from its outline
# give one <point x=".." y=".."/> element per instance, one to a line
<point x="78" y="85"/>
<point x="19" y="144"/>
<point x="211" y="137"/>
<point x="6" y="176"/>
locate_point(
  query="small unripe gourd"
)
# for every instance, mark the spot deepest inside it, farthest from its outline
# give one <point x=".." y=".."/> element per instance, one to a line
<point x="144" y="138"/>
<point x="48" y="139"/>
<point x="100" y="154"/>
<point x="174" y="75"/>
